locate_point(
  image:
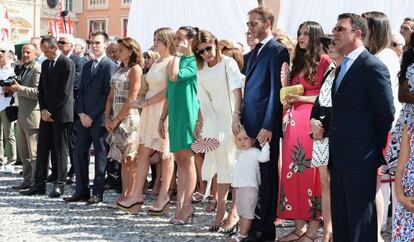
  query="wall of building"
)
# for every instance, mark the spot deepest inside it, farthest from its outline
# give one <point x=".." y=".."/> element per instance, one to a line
<point x="113" y="14"/>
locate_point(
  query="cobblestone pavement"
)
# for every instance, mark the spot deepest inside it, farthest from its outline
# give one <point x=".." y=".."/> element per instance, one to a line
<point x="40" y="218"/>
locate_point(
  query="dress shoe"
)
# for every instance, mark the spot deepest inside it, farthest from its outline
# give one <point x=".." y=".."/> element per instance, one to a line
<point x="51" y="178"/>
<point x="70" y="179"/>
<point x="57" y="192"/>
<point x="260" y="236"/>
<point x="95" y="199"/>
<point x="34" y="190"/>
<point x="77" y="197"/>
<point x="21" y="187"/>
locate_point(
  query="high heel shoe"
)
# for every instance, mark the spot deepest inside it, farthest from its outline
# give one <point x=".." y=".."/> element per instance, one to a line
<point x="132" y="209"/>
<point x="188" y="219"/>
<point x="160" y="211"/>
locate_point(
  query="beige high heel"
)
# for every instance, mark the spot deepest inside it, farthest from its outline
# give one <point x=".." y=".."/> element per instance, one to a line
<point x="133" y="209"/>
<point x="189" y="218"/>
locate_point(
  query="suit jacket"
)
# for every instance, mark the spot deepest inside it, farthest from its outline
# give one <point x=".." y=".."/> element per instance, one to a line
<point x="79" y="62"/>
<point x="361" y="116"/>
<point x="94" y="89"/>
<point x="28" y="115"/>
<point x="56" y="89"/>
<point x="261" y="102"/>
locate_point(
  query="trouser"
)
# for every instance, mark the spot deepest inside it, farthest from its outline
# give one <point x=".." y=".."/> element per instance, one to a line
<point x="7" y="128"/>
<point x="27" y="147"/>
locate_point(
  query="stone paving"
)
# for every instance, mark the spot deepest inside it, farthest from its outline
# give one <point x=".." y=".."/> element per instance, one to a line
<point x="40" y="218"/>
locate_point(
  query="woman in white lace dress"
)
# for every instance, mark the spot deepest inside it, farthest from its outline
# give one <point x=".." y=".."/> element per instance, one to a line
<point x="148" y="138"/>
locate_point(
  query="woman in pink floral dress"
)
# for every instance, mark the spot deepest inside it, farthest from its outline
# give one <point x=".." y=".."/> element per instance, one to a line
<point x="300" y="189"/>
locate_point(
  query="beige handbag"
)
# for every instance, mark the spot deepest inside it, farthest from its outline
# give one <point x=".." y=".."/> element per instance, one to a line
<point x="295" y="89"/>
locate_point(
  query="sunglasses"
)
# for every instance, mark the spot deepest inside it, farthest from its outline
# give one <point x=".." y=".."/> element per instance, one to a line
<point x="3" y="51"/>
<point x="252" y="23"/>
<point x="62" y="42"/>
<point x="207" y="49"/>
<point x="94" y="42"/>
<point x="340" y="29"/>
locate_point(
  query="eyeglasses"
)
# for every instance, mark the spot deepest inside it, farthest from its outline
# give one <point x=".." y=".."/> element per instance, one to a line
<point x="340" y="29"/>
<point x="395" y="45"/>
<point x="252" y="23"/>
<point x="94" y="42"/>
<point x="62" y="42"/>
<point x="202" y="51"/>
<point x="3" y="51"/>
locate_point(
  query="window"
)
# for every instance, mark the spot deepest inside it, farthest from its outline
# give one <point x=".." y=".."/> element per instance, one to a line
<point x="124" y="27"/>
<point x="97" y="25"/>
<point x="69" y="5"/>
<point x="98" y="3"/>
<point x="126" y="3"/>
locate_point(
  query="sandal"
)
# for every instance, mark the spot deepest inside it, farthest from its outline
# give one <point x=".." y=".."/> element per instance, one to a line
<point x="211" y="204"/>
<point x="290" y="234"/>
<point x="197" y="197"/>
<point x="238" y="237"/>
<point x="230" y="228"/>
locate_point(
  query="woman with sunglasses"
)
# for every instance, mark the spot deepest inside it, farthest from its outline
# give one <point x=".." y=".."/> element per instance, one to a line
<point x="300" y="188"/>
<point x="219" y="93"/>
<point x="181" y="107"/>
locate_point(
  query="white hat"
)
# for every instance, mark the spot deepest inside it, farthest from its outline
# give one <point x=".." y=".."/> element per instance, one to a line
<point x="69" y="38"/>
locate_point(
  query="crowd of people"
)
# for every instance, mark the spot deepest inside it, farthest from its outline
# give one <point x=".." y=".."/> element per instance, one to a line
<point x="336" y="148"/>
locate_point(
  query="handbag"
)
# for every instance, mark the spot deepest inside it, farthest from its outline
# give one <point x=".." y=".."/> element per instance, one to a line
<point x="295" y="90"/>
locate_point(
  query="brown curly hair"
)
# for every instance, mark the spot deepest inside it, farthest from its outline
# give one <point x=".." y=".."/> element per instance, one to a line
<point x="136" y="57"/>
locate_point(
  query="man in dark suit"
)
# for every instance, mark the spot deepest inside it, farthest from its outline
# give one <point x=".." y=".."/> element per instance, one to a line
<point x="66" y="44"/>
<point x="56" y="105"/>
<point x="362" y="113"/>
<point x="262" y="114"/>
<point x="93" y="93"/>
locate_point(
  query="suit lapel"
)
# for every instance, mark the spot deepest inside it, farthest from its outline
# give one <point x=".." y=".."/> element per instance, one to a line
<point x="97" y="70"/>
<point x="259" y="58"/>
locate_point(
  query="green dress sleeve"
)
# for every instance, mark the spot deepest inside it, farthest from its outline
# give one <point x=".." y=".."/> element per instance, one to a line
<point x="187" y="68"/>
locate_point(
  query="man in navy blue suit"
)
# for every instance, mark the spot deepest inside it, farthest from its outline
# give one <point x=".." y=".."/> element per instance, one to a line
<point x="93" y="92"/>
<point x="362" y="113"/>
<point x="262" y="114"/>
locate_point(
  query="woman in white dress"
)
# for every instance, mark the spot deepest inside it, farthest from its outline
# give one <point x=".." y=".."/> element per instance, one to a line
<point x="219" y="93"/>
<point x="148" y="138"/>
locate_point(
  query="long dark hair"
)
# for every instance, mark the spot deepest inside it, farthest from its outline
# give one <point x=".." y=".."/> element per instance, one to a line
<point x="191" y="31"/>
<point x="407" y="59"/>
<point x="379" y="31"/>
<point x="306" y="61"/>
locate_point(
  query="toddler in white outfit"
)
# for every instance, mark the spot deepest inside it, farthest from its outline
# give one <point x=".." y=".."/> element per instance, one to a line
<point x="246" y="180"/>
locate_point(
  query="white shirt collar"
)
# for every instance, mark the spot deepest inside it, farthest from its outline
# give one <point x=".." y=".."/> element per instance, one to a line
<point x="264" y="42"/>
<point x="355" y="53"/>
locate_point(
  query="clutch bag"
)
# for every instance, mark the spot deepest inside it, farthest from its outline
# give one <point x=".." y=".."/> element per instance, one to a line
<point x="205" y="145"/>
<point x="295" y="89"/>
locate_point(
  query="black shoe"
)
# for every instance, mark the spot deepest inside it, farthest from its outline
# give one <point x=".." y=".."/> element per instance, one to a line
<point x="70" y="179"/>
<point x="34" y="190"/>
<point x="21" y="187"/>
<point x="18" y="163"/>
<point x="76" y="198"/>
<point x="95" y="199"/>
<point x="52" y="178"/>
<point x="57" y="192"/>
<point x="260" y="236"/>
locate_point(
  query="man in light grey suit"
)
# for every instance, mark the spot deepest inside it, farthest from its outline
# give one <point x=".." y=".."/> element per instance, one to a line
<point x="28" y="117"/>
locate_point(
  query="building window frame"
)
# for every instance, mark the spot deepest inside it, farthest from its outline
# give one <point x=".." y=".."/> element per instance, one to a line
<point x="98" y="4"/>
<point x="69" y="5"/>
<point x="126" y="3"/>
<point x="123" y="27"/>
<point x="90" y="20"/>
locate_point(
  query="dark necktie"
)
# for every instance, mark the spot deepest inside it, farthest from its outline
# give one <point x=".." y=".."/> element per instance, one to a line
<point x="253" y="56"/>
<point x="51" y="65"/>
<point x="94" y="64"/>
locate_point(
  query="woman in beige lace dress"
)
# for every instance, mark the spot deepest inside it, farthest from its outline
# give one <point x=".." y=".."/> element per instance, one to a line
<point x="148" y="138"/>
<point x="122" y="121"/>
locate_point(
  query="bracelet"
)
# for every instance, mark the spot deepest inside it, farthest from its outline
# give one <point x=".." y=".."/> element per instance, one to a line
<point x="237" y="111"/>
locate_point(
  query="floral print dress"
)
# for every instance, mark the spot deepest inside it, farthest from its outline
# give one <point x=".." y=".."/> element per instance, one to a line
<point x="403" y="221"/>
<point x="300" y="186"/>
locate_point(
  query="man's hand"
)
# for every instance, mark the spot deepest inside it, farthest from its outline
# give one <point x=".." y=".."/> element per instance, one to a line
<point x="264" y="136"/>
<point x="13" y="88"/>
<point x="86" y="121"/>
<point x="46" y="116"/>
<point x="317" y="129"/>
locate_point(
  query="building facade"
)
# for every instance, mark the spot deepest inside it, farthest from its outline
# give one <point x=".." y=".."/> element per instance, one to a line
<point x="110" y="16"/>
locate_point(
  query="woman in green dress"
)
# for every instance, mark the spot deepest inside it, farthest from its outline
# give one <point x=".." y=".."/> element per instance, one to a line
<point x="182" y="109"/>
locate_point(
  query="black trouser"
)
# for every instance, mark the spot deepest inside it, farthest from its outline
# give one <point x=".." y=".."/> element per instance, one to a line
<point x="52" y="136"/>
<point x="85" y="137"/>
<point x="265" y="213"/>
<point x="354" y="215"/>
